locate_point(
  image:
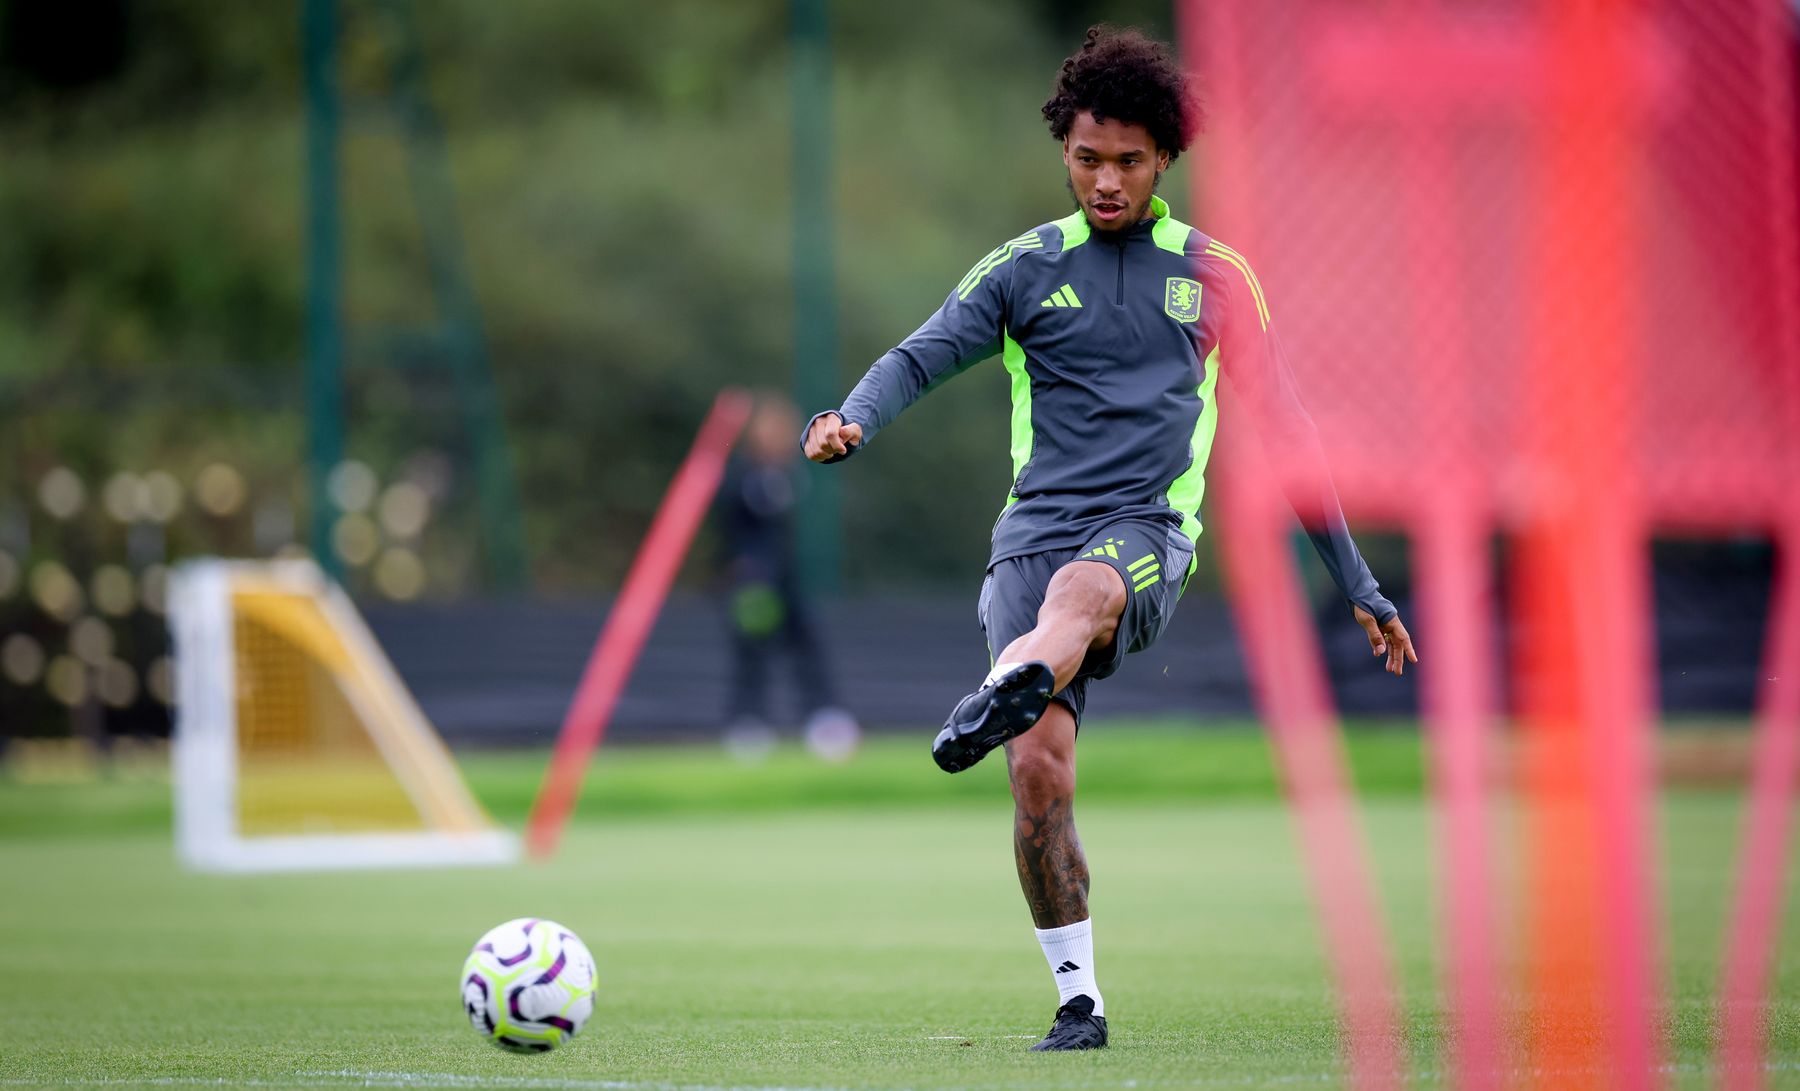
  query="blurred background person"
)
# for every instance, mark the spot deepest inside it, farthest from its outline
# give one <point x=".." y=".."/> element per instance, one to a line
<point x="767" y="613"/>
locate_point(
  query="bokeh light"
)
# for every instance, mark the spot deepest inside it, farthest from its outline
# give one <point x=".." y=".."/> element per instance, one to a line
<point x="91" y="640"/>
<point x="22" y="658"/>
<point x="162" y="496"/>
<point x="399" y="574"/>
<point x="125" y="497"/>
<point x="113" y="590"/>
<point x="117" y="683"/>
<point x="352" y="485"/>
<point x="219" y="489"/>
<point x="405" y="508"/>
<point x="61" y="493"/>
<point x="55" y="591"/>
<point x="67" y="680"/>
<point x="355" y="539"/>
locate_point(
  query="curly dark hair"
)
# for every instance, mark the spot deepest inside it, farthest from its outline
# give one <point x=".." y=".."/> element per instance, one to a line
<point x="1124" y="75"/>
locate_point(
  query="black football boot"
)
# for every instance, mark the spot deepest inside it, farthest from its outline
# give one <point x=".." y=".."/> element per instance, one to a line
<point x="1076" y="1027"/>
<point x="1002" y="709"/>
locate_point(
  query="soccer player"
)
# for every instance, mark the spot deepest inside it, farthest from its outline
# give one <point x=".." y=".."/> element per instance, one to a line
<point x="1114" y="324"/>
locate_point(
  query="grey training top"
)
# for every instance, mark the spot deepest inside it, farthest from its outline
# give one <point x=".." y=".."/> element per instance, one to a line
<point x="1115" y="342"/>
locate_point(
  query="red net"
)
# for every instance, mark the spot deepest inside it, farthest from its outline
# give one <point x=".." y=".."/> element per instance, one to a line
<point x="1382" y="166"/>
<point x="1535" y="269"/>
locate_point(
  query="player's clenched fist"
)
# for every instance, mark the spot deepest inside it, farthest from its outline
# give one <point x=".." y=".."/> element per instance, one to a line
<point x="830" y="437"/>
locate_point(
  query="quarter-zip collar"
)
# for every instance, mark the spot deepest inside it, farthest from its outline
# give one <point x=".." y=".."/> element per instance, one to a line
<point x="1119" y="240"/>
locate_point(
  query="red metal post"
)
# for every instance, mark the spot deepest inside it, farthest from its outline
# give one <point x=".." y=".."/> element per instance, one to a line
<point x="1583" y="604"/>
<point x="633" y="614"/>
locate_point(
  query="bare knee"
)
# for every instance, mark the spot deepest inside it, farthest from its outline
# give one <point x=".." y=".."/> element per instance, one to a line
<point x="1041" y="764"/>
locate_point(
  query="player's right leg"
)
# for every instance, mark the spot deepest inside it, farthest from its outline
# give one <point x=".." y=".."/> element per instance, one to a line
<point x="1081" y="606"/>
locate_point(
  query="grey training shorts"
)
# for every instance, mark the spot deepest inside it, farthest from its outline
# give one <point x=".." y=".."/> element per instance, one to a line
<point x="1152" y="557"/>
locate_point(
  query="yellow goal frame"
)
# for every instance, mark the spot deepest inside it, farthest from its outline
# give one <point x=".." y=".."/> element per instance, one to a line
<point x="297" y="746"/>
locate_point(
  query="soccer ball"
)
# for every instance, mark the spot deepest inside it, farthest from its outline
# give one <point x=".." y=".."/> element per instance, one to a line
<point x="528" y="985"/>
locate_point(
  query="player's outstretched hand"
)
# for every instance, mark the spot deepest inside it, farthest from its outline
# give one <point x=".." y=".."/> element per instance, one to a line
<point x="829" y="437"/>
<point x="1391" y="640"/>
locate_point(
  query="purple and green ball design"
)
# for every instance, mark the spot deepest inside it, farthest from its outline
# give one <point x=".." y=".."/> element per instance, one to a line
<point x="528" y="986"/>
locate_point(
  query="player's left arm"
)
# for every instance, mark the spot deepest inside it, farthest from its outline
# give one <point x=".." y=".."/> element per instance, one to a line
<point x="1253" y="359"/>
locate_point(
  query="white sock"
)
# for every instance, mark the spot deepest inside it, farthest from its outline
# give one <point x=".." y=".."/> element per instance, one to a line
<point x="1070" y="952"/>
<point x="999" y="669"/>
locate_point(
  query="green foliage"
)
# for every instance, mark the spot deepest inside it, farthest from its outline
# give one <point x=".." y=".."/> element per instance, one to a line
<point x="622" y="175"/>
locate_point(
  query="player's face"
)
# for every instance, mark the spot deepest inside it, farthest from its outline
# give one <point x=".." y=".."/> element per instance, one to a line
<point x="1113" y="169"/>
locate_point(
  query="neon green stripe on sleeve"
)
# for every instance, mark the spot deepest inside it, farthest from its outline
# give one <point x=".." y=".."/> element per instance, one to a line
<point x="999" y="256"/>
<point x="1220" y="250"/>
<point x="1014" y="358"/>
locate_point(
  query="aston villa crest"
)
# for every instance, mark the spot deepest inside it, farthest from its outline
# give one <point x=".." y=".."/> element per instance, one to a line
<point x="1181" y="299"/>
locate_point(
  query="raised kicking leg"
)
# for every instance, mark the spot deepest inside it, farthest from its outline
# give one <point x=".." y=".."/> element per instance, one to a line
<point x="1080" y="614"/>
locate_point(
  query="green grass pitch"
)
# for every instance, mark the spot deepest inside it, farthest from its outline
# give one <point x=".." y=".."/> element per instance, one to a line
<point x="785" y="925"/>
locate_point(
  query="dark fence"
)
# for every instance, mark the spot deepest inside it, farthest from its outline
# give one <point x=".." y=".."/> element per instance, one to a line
<point x="504" y="671"/>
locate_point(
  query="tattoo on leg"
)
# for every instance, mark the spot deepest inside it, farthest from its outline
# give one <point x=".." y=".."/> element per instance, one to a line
<point x="1053" y="870"/>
